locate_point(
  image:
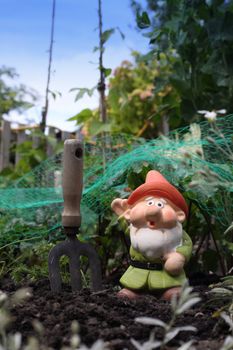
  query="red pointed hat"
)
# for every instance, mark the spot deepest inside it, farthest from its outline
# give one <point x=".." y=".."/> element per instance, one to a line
<point x="157" y="185"/>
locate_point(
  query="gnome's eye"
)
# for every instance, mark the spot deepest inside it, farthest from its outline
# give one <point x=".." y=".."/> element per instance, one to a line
<point x="150" y="202"/>
<point x="159" y="204"/>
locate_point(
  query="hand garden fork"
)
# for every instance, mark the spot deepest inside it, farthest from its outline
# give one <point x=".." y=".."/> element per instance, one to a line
<point x="72" y="183"/>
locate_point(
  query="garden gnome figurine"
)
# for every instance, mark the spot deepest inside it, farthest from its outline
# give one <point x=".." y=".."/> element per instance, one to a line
<point x="159" y="248"/>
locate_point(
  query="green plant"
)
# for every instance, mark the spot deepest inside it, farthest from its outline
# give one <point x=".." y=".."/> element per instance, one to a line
<point x="31" y="262"/>
<point x="134" y="105"/>
<point x="31" y="210"/>
<point x="30" y="156"/>
<point x="10" y="341"/>
<point x="179" y="305"/>
<point x="223" y="291"/>
<point x="228" y="343"/>
<point x="200" y="33"/>
<point x="14" y="97"/>
<point x="140" y="98"/>
<point x="28" y="261"/>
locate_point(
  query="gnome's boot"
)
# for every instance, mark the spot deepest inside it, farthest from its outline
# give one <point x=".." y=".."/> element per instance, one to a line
<point x="169" y="293"/>
<point x="126" y="293"/>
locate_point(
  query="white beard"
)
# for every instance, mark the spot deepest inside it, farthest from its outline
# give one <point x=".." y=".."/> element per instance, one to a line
<point x="155" y="243"/>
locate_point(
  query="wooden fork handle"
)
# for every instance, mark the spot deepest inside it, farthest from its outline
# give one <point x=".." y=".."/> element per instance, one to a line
<point x="72" y="183"/>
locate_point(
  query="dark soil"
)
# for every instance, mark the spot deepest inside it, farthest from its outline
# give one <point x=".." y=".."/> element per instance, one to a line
<point x="104" y="316"/>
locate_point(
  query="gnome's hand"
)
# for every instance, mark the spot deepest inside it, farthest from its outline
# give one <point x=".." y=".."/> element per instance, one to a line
<point x="174" y="263"/>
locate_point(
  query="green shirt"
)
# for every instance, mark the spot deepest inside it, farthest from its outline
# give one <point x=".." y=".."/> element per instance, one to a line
<point x="136" y="278"/>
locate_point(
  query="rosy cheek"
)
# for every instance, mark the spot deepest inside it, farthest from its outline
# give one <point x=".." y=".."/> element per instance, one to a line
<point x="169" y="215"/>
<point x="137" y="214"/>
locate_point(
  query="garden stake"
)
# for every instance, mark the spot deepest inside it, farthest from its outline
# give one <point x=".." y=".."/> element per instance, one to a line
<point x="72" y="183"/>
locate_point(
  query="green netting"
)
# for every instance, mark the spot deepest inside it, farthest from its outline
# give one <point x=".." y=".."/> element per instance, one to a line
<point x="197" y="159"/>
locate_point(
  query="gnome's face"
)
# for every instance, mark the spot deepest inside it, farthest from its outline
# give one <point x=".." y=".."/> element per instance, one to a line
<point x="151" y="212"/>
<point x="155" y="225"/>
<point x="154" y="213"/>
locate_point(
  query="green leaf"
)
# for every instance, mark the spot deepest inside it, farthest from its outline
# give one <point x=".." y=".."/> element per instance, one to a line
<point x="83" y="116"/>
<point x="107" y="72"/>
<point x="143" y="20"/>
<point x="156" y="35"/>
<point x="182" y="86"/>
<point x="39" y="156"/>
<point x="222" y="81"/>
<point x="98" y="127"/>
<point x="82" y="92"/>
<point x="229" y="246"/>
<point x="55" y="94"/>
<point x="186" y="346"/>
<point x="121" y="33"/>
<point x="187" y="305"/>
<point x="151" y="321"/>
<point x="173" y="25"/>
<point x="229" y="229"/>
<point x="107" y="34"/>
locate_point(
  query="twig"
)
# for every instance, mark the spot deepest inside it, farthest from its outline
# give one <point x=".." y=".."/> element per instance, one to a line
<point x="101" y="291"/>
<point x="101" y="84"/>
<point x="46" y="106"/>
<point x="201" y="243"/>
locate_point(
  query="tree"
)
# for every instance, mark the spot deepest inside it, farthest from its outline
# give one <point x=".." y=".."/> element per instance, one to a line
<point x="13" y="97"/>
<point x="132" y="105"/>
<point x="200" y="32"/>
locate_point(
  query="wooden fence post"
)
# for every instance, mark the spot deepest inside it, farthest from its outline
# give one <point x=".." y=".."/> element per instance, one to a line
<point x="51" y="133"/>
<point x="65" y="135"/>
<point x="9" y="136"/>
<point x="5" y="144"/>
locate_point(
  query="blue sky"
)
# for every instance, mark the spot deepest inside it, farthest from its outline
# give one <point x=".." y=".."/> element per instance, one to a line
<point x="25" y="34"/>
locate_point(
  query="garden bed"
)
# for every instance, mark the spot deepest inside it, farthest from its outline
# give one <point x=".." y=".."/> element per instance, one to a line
<point x="103" y="316"/>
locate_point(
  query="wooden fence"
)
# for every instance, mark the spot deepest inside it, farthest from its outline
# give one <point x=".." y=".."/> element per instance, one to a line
<point x="10" y="137"/>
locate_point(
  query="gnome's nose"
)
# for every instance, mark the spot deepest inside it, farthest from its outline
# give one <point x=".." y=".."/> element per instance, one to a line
<point x="153" y="213"/>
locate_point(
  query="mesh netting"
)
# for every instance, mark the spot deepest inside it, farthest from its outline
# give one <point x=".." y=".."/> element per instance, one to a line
<point x="197" y="159"/>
